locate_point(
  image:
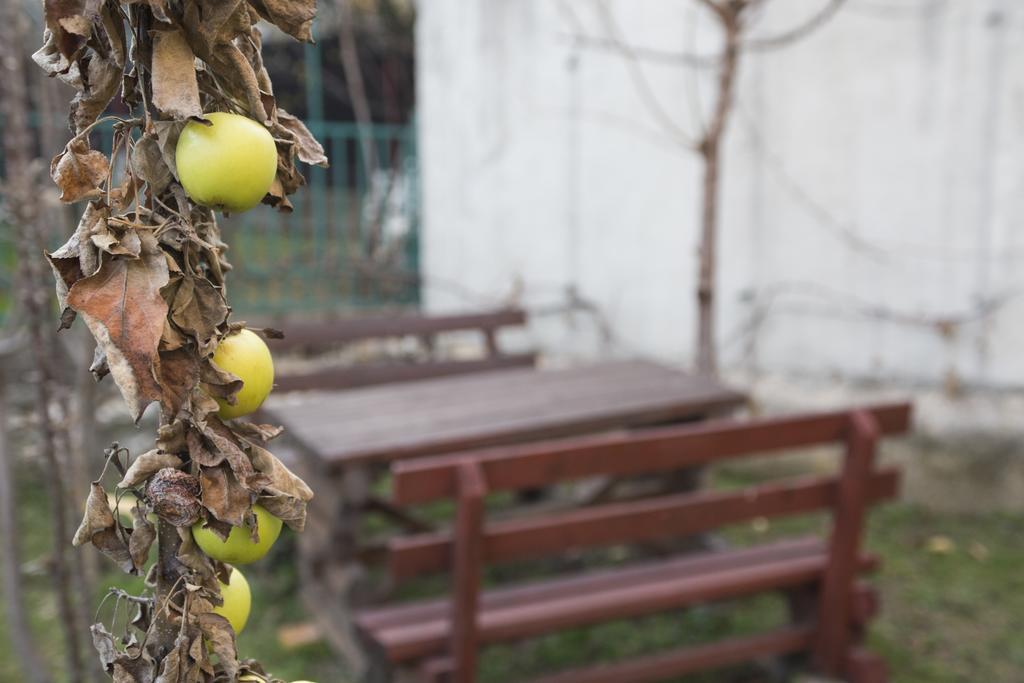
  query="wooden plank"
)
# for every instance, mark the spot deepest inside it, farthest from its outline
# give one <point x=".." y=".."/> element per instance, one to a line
<point x="452" y="414"/>
<point x="338" y="378"/>
<point x="693" y="659"/>
<point x="417" y="640"/>
<point x="625" y="454"/>
<point x="441" y="404"/>
<point x="643" y="520"/>
<point x="380" y="617"/>
<point x="853" y="497"/>
<point x="306" y="334"/>
<point x="467" y="564"/>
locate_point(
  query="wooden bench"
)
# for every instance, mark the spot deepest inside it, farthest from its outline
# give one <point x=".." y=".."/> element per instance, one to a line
<point x="439" y="639"/>
<point x="318" y="337"/>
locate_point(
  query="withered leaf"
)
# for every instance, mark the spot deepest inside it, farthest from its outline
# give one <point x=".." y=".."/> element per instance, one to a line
<point x="103" y="641"/>
<point x="98" y="516"/>
<point x="101" y="77"/>
<point x="99" y="528"/>
<point x="225" y="498"/>
<point x="175" y="89"/>
<point x="77" y="258"/>
<point x="256" y="433"/>
<point x="286" y="495"/>
<point x="143" y="535"/>
<point x="149" y="164"/>
<point x="179" y="375"/>
<point x="192" y="557"/>
<point x="307" y="148"/>
<point x="167" y="133"/>
<point x="280" y="477"/>
<point x="71" y="23"/>
<point x="174" y="667"/>
<point x="199" y="310"/>
<point x="294" y="17"/>
<point x="224" y="441"/>
<point x="123" y="308"/>
<point x="221" y="636"/>
<point x="147" y="464"/>
<point x="99" y="367"/>
<point x="219" y="383"/>
<point x="116" y="243"/>
<point x="200" y="454"/>
<point x="78" y="171"/>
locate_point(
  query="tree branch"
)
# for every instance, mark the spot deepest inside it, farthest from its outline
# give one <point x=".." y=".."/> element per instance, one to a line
<point x="797" y="32"/>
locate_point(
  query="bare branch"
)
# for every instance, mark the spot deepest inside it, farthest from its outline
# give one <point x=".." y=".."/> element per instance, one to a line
<point x="640" y="81"/>
<point x="641" y="52"/>
<point x="797" y="32"/>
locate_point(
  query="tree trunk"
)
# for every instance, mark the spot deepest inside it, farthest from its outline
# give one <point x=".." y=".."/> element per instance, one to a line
<point x="356" y="87"/>
<point x="22" y="200"/>
<point x="710" y="150"/>
<point x="14" y="596"/>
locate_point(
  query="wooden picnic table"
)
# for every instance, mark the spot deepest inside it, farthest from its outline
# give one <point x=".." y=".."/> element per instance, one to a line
<point x="343" y="441"/>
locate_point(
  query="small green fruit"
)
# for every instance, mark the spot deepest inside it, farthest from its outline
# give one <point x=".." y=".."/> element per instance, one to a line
<point x="237" y="600"/>
<point x="239" y="547"/>
<point x="229" y="164"/>
<point x="245" y="355"/>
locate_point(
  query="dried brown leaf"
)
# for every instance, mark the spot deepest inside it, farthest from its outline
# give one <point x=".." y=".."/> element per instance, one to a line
<point x="123" y="308"/>
<point x="77" y="258"/>
<point x="143" y="535"/>
<point x="221" y="637"/>
<point x="199" y="310"/>
<point x="178" y="377"/>
<point x="175" y="89"/>
<point x="99" y="528"/>
<point x="78" y="171"/>
<point x="307" y="148"/>
<point x="223" y="495"/>
<point x="294" y="17"/>
<point x="146" y="465"/>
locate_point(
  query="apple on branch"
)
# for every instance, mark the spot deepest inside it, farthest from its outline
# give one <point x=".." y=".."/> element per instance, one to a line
<point x="229" y="164"/>
<point x="246" y="356"/>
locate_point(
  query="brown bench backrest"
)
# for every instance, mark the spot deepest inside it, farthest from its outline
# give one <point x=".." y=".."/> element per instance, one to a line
<point x="646" y="451"/>
<point x="317" y="337"/>
<point x="472" y="544"/>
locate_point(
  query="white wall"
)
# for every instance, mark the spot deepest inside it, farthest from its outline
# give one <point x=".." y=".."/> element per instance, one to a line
<point x="873" y="190"/>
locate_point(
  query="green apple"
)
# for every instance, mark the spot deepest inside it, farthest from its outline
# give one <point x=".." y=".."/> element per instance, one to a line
<point x="239" y="548"/>
<point x="237" y="600"/>
<point x="244" y="354"/>
<point x="228" y="165"/>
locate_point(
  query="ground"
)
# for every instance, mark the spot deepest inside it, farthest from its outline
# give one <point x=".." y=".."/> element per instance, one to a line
<point x="952" y="587"/>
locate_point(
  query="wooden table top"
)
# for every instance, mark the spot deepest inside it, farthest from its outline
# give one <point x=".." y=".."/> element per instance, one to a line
<point x="450" y="414"/>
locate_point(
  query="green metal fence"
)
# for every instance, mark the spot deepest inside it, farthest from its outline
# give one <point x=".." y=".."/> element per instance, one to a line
<point x="352" y="240"/>
<point x="350" y="243"/>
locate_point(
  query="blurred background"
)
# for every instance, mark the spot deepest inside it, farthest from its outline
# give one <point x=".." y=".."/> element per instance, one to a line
<point x="864" y="167"/>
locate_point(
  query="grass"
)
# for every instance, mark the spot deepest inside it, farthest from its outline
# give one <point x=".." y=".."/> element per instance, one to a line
<point x="953" y="611"/>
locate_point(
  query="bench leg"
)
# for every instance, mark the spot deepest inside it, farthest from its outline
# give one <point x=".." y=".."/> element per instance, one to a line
<point x="864" y="666"/>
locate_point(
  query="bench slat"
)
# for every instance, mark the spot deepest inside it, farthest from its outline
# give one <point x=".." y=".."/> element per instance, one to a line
<point x="333" y="332"/>
<point x="662" y="666"/>
<point x="386" y="373"/>
<point x="626" y="454"/>
<point x="644" y="520"/>
<point x="515" y="622"/>
<point x="600" y="579"/>
<point x="690" y="660"/>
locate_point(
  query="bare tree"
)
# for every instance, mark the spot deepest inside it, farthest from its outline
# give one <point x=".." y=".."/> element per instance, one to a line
<point x="732" y="17"/>
<point x="21" y="191"/>
<point x="13" y="589"/>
